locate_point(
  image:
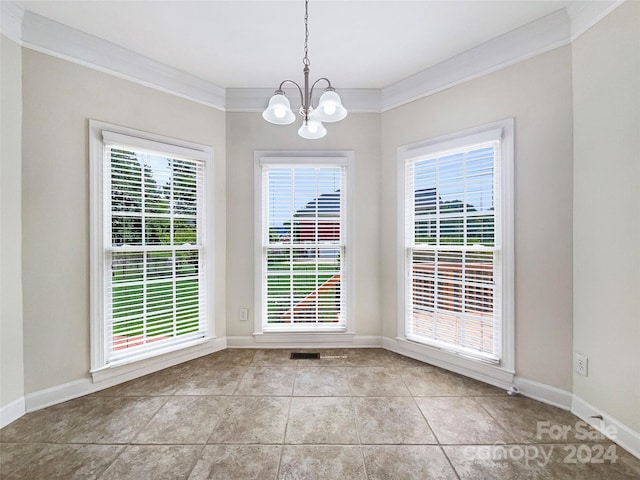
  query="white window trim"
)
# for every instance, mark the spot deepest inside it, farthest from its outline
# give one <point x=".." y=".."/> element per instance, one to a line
<point x="147" y="141"/>
<point x="303" y="158"/>
<point x="506" y="368"/>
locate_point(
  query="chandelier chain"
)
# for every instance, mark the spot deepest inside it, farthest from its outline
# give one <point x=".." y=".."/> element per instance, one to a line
<point x="305" y="60"/>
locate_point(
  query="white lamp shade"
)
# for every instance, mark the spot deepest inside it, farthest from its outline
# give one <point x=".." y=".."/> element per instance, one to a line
<point x="330" y="108"/>
<point x="279" y="110"/>
<point x="312" y="129"/>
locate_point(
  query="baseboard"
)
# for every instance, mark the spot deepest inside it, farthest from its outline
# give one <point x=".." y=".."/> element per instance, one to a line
<point x="609" y="426"/>
<point x="297" y="340"/>
<point x="544" y="393"/>
<point x="85" y="386"/>
<point x="12" y="411"/>
<point x="493" y="375"/>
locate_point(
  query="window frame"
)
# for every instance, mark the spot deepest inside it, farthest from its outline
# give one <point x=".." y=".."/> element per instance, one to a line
<point x="303" y="159"/>
<point x="503" y="369"/>
<point x="99" y="134"/>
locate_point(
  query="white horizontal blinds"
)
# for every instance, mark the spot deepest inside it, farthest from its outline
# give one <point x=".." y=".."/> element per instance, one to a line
<point x="303" y="210"/>
<point x="154" y="262"/>
<point x="452" y="253"/>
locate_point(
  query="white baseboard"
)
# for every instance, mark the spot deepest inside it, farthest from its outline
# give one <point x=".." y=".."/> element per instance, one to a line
<point x="609" y="426"/>
<point x="109" y="378"/>
<point x="491" y="374"/>
<point x="544" y="393"/>
<point x="297" y="340"/>
<point x="12" y="411"/>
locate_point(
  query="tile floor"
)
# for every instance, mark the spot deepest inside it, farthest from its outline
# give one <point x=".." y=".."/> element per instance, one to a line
<point x="353" y="414"/>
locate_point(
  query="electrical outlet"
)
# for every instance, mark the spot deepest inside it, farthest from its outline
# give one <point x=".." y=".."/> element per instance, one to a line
<point x="581" y="364"/>
<point x="244" y="314"/>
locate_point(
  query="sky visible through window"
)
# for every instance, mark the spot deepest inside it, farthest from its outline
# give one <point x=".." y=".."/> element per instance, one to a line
<point x="291" y="189"/>
<point x="459" y="177"/>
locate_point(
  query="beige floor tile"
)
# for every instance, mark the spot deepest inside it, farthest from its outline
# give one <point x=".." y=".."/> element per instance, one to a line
<point x="267" y="381"/>
<point x="461" y="420"/>
<point x="49" y="424"/>
<point x="306" y="462"/>
<point x="274" y="358"/>
<point x="154" y="462"/>
<point x="117" y="420"/>
<point x="252" y="420"/>
<point x="536" y="461"/>
<point x="15" y="455"/>
<point x="231" y="357"/>
<point x="437" y="382"/>
<point x="212" y="380"/>
<point x="495" y="462"/>
<point x="530" y="421"/>
<point x="376" y="381"/>
<point x="164" y="382"/>
<point x="406" y="462"/>
<point x="68" y="462"/>
<point x="321" y="382"/>
<point x="321" y="420"/>
<point x="235" y="462"/>
<point x="370" y="357"/>
<point x="391" y="420"/>
<point x="183" y="420"/>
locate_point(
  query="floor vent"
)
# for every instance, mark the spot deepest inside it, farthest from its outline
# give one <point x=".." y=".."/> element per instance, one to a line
<point x="305" y="356"/>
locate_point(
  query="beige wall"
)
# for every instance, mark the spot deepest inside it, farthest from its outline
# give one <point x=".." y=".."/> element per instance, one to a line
<point x="59" y="99"/>
<point x="248" y="132"/>
<point x="11" y="333"/>
<point x="606" y="89"/>
<point x="537" y="93"/>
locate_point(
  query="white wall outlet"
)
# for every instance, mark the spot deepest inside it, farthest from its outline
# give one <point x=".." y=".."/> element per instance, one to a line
<point x="581" y="364"/>
<point x="244" y="314"/>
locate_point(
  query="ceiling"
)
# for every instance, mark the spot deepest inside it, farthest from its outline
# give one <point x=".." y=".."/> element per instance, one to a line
<point x="257" y="44"/>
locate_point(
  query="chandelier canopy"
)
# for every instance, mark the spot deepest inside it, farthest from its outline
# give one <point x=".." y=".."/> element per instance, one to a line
<point x="329" y="107"/>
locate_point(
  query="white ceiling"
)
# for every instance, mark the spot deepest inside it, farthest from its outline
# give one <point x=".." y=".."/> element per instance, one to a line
<point x="254" y="44"/>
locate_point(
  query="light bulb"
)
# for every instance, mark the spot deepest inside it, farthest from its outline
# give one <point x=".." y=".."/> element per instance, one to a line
<point x="279" y="112"/>
<point x="312" y="129"/>
<point x="329" y="109"/>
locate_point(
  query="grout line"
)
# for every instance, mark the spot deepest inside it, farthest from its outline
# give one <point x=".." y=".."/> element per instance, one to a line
<point x="195" y="462"/>
<point x="115" y="459"/>
<point x="498" y="422"/>
<point x="284" y="438"/>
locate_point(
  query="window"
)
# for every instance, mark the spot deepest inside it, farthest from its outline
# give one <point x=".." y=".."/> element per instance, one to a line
<point x="149" y="263"/>
<point x="457" y="244"/>
<point x="302" y="244"/>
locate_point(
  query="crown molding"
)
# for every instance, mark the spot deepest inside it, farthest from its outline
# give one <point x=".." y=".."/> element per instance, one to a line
<point x="539" y="36"/>
<point x="11" y="16"/>
<point x="359" y="100"/>
<point x="547" y="33"/>
<point x="47" y="36"/>
<point x="584" y="15"/>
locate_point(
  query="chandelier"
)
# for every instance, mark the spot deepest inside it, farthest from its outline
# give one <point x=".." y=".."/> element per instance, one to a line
<point x="329" y="107"/>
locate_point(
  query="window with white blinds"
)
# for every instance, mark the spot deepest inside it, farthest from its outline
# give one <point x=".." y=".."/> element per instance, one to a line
<point x="154" y="282"/>
<point x="303" y="247"/>
<point x="453" y="259"/>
